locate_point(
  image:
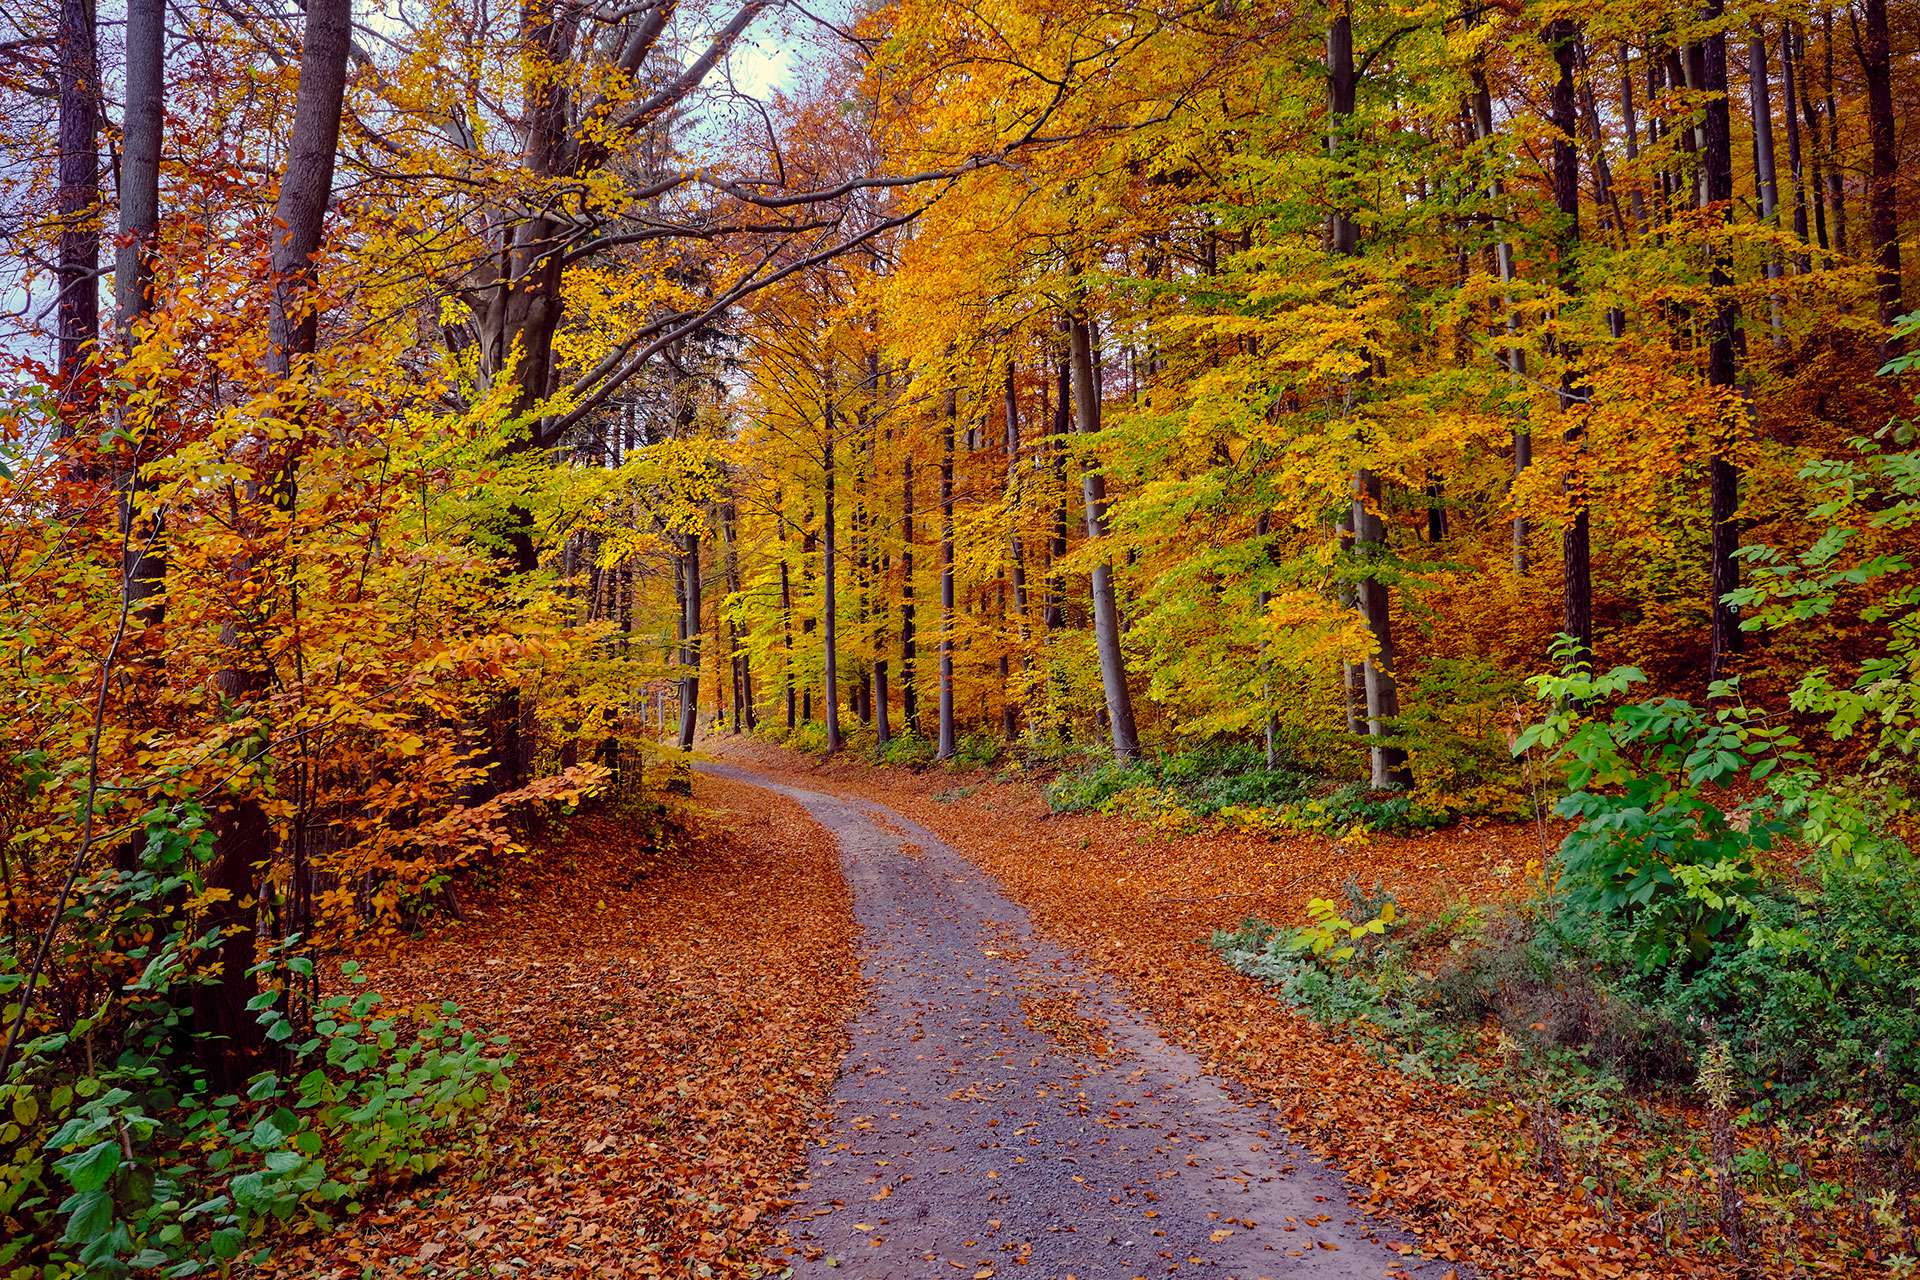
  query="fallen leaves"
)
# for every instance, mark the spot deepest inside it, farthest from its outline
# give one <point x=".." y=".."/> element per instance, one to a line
<point x="1410" y="1150"/>
<point x="674" y="1046"/>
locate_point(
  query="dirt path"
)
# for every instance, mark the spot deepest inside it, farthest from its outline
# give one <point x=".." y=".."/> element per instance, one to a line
<point x="1001" y="1107"/>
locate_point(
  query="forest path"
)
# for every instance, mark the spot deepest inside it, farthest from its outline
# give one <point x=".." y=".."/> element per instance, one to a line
<point x="1002" y="1108"/>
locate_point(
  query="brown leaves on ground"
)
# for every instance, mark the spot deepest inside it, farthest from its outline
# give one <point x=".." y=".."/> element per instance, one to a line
<point x="679" y="1014"/>
<point x="1136" y="906"/>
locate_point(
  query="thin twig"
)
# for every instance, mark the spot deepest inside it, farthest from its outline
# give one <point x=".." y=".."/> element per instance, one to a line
<point x="93" y="784"/>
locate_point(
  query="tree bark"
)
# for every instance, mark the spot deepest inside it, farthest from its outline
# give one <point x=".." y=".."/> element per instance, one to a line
<point x="1836" y="178"/>
<point x="1883" y="195"/>
<point x="77" y="205"/>
<point x="909" y="652"/>
<point x="1389" y="763"/>
<point x="1516" y="359"/>
<point x="1017" y="550"/>
<point x="1057" y="460"/>
<point x="1716" y="175"/>
<point x="831" y="634"/>
<point x="243" y="837"/>
<point x="1576" y="559"/>
<point x="1796" y="168"/>
<point x="690" y="646"/>
<point x="144" y="572"/>
<point x="1106" y="619"/>
<point x="947" y="744"/>
<point x="1766" y="175"/>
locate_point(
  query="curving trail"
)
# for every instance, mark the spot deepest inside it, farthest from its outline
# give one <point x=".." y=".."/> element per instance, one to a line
<point x="1001" y="1112"/>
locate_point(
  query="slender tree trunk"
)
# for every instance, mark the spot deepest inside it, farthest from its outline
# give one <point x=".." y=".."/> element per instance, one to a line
<point x="1516" y="359"/>
<point x="243" y="836"/>
<point x="1262" y="529"/>
<point x="1716" y="165"/>
<point x="830" y="602"/>
<point x="1766" y="176"/>
<point x="1789" y="87"/>
<point x="1018" y="552"/>
<point x="946" y="579"/>
<point x="690" y="647"/>
<point x="1388" y="763"/>
<point x="144" y="573"/>
<point x="1836" y="178"/>
<point x="1576" y="560"/>
<point x="77" y="204"/>
<point x="909" y="653"/>
<point x="1106" y="619"/>
<point x="742" y="677"/>
<point x="1883" y="194"/>
<point x="786" y="615"/>
<point x="1630" y="132"/>
<point x="1810" y="108"/>
<point x="1057" y="459"/>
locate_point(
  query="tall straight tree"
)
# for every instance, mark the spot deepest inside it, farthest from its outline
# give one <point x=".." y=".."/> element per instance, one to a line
<point x="243" y="837"/>
<point x="1093" y="486"/>
<point x="1388" y="763"/>
<point x="77" y="203"/>
<point x="830" y="603"/>
<point x="689" y="638"/>
<point x="1016" y="549"/>
<point x="1576" y="556"/>
<point x="947" y="741"/>
<point x="1883" y="194"/>
<point x="144" y="573"/>
<point x="909" y="649"/>
<point x="1716" y="189"/>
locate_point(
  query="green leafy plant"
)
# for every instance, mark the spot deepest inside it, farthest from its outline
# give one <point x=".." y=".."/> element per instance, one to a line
<point x="117" y="1152"/>
<point x="1652" y="854"/>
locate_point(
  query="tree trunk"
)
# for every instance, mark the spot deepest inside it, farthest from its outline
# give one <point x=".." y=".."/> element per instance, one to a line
<point x="1106" y="618"/>
<point x="830" y="603"/>
<point x="1057" y="460"/>
<point x="1017" y="550"/>
<point x="1263" y="599"/>
<point x="690" y="647"/>
<point x="1389" y="763"/>
<point x="1836" y="178"/>
<point x="1716" y="175"/>
<point x="1576" y="560"/>
<point x="1516" y="359"/>
<point x="77" y="205"/>
<point x="909" y="653"/>
<point x="1883" y="195"/>
<point x="946" y="748"/>
<point x="243" y="837"/>
<point x="145" y="569"/>
<point x="786" y="613"/>
<point x="1789" y="88"/>
<point x="1766" y="175"/>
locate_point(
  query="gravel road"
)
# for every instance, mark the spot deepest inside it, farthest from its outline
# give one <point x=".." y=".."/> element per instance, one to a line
<point x="1003" y="1112"/>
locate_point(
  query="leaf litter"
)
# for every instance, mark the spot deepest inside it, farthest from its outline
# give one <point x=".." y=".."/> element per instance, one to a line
<point x="1135" y="904"/>
<point x="678" y="1009"/>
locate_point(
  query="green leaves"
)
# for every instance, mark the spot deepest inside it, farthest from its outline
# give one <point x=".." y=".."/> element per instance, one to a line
<point x="89" y="1170"/>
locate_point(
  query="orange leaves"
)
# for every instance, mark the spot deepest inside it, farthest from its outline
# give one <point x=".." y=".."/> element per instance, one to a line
<point x="673" y="1045"/>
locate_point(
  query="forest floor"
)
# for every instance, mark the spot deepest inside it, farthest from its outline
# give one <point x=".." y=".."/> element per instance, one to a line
<point x="1134" y="905"/>
<point x="691" y="1026"/>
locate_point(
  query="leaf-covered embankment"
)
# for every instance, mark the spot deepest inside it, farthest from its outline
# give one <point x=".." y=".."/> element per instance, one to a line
<point x="678" y="1015"/>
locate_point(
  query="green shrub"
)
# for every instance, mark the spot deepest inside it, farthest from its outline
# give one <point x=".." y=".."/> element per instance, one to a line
<point x="1651" y="853"/>
<point x="906" y="748"/>
<point x="118" y="1155"/>
<point x="977" y="750"/>
<point x="1088" y="789"/>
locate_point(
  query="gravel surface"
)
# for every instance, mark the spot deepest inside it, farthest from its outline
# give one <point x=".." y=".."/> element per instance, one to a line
<point x="1003" y="1112"/>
